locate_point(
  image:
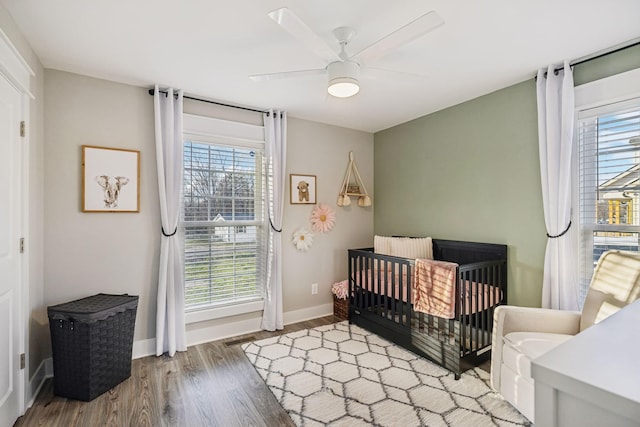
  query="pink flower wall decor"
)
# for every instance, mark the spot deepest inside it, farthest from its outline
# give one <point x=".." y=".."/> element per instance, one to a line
<point x="322" y="218"/>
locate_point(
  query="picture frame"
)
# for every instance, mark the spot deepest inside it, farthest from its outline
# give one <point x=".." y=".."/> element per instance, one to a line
<point x="110" y="179"/>
<point x="303" y="189"/>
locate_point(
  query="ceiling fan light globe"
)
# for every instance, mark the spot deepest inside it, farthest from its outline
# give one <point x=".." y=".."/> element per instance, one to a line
<point x="343" y="87"/>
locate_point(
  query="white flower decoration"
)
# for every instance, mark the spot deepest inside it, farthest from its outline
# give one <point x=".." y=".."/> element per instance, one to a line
<point x="302" y="239"/>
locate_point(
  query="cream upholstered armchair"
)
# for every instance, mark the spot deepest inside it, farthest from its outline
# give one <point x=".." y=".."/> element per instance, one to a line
<point x="521" y="334"/>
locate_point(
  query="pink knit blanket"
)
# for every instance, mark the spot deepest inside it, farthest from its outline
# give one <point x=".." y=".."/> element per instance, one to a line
<point x="435" y="288"/>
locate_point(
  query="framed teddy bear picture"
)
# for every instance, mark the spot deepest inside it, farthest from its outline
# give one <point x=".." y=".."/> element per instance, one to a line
<point x="303" y="189"/>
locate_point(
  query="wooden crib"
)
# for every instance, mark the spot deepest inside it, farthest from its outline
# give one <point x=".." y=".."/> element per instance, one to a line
<point x="381" y="296"/>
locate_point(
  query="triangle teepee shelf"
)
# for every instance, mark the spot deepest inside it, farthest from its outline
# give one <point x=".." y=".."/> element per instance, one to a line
<point x="353" y="186"/>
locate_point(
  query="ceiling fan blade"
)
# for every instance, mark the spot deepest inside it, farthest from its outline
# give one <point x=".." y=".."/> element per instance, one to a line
<point x="298" y="29"/>
<point x="286" y="75"/>
<point x="398" y="77"/>
<point x="414" y="29"/>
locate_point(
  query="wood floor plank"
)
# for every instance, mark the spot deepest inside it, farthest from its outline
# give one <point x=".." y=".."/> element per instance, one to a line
<point x="141" y="408"/>
<point x="211" y="384"/>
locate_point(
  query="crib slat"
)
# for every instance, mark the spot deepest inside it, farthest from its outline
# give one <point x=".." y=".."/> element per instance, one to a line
<point x="465" y="303"/>
<point x="395" y="282"/>
<point x="375" y="278"/>
<point x="405" y="298"/>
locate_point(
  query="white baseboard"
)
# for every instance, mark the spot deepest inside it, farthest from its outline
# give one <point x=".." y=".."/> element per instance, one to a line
<point x="143" y="348"/>
<point x="44" y="371"/>
<point x="48" y="367"/>
<point x="307" y="313"/>
<point x="225" y="330"/>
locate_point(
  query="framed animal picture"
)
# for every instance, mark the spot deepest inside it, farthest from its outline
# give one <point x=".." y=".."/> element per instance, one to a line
<point x="110" y="179"/>
<point x="303" y="189"/>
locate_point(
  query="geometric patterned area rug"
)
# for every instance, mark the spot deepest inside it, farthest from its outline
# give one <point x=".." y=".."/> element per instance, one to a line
<point x="343" y="375"/>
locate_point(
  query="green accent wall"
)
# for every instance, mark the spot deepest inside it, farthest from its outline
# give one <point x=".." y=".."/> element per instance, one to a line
<point x="471" y="172"/>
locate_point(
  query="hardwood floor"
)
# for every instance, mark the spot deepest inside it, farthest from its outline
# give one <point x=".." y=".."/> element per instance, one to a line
<point x="211" y="384"/>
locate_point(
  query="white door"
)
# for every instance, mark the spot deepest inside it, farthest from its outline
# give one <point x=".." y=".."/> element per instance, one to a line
<point x="10" y="257"/>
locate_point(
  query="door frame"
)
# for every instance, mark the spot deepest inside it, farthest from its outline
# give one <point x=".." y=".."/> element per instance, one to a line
<point x="18" y="72"/>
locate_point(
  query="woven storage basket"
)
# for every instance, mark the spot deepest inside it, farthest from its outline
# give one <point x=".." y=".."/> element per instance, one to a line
<point x="341" y="308"/>
<point x="91" y="339"/>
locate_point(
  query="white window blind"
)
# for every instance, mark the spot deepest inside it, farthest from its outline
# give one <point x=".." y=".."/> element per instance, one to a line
<point x="223" y="216"/>
<point x="609" y="154"/>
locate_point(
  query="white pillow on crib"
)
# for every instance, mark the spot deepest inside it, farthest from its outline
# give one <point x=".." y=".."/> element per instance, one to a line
<point x="412" y="248"/>
<point x="382" y="245"/>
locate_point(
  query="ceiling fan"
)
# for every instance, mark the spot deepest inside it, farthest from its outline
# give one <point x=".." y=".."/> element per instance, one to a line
<point x="343" y="69"/>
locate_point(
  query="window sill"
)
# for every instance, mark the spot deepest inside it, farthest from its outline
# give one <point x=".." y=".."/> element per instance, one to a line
<point x="223" y="311"/>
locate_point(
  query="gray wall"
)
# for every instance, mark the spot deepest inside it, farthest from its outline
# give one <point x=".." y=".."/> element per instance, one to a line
<point x="88" y="253"/>
<point x="471" y="172"/>
<point x="322" y="150"/>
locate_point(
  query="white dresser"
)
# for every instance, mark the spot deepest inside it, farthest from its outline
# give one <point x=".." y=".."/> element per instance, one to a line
<point x="592" y="380"/>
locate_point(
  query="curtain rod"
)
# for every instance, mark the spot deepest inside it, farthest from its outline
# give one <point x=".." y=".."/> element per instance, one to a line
<point x="151" y="92"/>
<point x="597" y="55"/>
<point x="600" y="55"/>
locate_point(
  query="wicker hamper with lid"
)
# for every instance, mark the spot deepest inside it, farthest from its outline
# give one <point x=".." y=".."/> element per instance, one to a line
<point x="92" y="340"/>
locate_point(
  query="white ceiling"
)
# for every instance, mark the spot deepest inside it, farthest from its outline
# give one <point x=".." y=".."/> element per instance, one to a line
<point x="210" y="47"/>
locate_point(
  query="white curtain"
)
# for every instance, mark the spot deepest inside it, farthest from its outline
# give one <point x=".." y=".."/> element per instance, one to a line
<point x="555" y="95"/>
<point x="170" y="326"/>
<point x="275" y="127"/>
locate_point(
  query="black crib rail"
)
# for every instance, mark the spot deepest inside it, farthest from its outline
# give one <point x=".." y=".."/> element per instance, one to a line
<point x="381" y="302"/>
<point x="369" y="294"/>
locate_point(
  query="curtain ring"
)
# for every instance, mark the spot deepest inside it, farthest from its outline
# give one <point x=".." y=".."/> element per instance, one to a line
<point x="561" y="234"/>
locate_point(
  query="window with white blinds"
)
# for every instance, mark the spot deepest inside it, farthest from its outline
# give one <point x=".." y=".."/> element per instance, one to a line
<point x="609" y="174"/>
<point x="223" y="218"/>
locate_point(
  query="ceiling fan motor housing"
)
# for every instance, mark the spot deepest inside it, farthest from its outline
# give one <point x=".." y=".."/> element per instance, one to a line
<point x="343" y="78"/>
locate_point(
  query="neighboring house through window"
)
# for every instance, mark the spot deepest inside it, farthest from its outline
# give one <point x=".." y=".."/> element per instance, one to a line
<point x="608" y="136"/>
<point x="223" y="217"/>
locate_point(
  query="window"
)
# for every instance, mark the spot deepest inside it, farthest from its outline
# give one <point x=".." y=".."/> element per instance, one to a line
<point x="609" y="157"/>
<point x="223" y="218"/>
